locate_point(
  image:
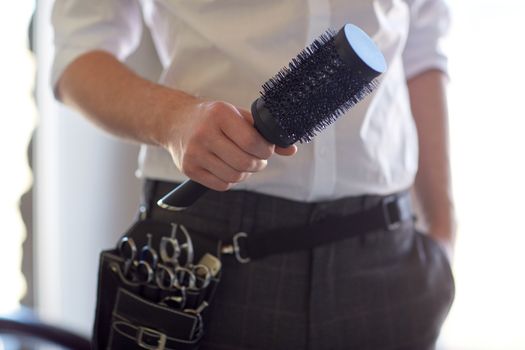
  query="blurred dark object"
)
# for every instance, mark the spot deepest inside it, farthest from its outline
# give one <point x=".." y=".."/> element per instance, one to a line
<point x="28" y="331"/>
<point x="25" y="206"/>
<point x="26" y="199"/>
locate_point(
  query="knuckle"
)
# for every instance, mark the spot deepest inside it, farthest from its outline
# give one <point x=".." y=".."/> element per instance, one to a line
<point x="188" y="169"/>
<point x="201" y="132"/>
<point x="267" y="153"/>
<point x="261" y="165"/>
<point x="217" y="107"/>
<point x="222" y="186"/>
<point x="248" y="164"/>
<point x="248" y="143"/>
<point x="255" y="145"/>
<point x="203" y="135"/>
<point x="236" y="177"/>
<point x="245" y="176"/>
<point x="191" y="149"/>
<point x="192" y="154"/>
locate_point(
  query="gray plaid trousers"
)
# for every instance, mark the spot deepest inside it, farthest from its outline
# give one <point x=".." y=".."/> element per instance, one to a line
<point x="384" y="290"/>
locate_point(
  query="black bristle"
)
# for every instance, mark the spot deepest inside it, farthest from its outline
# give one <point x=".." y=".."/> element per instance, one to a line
<point x="314" y="90"/>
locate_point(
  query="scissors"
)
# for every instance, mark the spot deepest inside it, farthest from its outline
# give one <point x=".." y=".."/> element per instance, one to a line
<point x="175" y="280"/>
<point x="184" y="278"/>
<point x="165" y="277"/>
<point x="171" y="250"/>
<point x="203" y="276"/>
<point x="127" y="250"/>
<point x="195" y="277"/>
<point x="147" y="263"/>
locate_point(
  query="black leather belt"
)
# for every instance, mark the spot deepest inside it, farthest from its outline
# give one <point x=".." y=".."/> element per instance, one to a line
<point x="388" y="215"/>
<point x="224" y="210"/>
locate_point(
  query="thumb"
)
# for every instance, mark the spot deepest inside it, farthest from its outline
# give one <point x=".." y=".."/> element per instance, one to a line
<point x="288" y="151"/>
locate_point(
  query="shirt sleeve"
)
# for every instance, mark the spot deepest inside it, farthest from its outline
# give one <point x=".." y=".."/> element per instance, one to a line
<point x="429" y="23"/>
<point x="81" y="26"/>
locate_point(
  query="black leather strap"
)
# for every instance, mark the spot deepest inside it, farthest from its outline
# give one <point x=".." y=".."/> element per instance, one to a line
<point x="142" y="312"/>
<point x="128" y="336"/>
<point x="388" y="215"/>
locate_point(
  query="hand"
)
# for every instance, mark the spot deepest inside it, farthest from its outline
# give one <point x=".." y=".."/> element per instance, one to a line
<point x="445" y="240"/>
<point x="215" y="144"/>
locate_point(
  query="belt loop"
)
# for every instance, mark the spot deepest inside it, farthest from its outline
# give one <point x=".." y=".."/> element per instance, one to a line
<point x="318" y="212"/>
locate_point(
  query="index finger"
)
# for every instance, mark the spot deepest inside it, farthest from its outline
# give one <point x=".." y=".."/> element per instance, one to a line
<point x="239" y="129"/>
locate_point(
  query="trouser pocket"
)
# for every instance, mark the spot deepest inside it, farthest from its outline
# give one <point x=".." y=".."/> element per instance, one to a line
<point x="440" y="256"/>
<point x="439" y="282"/>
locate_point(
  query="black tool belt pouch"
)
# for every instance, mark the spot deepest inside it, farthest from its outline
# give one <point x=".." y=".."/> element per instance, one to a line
<point x="135" y="310"/>
<point x="133" y="313"/>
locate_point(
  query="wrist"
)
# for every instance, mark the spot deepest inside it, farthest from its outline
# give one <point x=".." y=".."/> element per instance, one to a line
<point x="445" y="235"/>
<point x="168" y="110"/>
<point x="447" y="244"/>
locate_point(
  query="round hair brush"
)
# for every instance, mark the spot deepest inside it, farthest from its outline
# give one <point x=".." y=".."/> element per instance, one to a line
<point x="325" y="79"/>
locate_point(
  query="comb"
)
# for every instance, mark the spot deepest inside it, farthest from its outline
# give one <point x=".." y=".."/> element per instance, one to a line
<point x="318" y="86"/>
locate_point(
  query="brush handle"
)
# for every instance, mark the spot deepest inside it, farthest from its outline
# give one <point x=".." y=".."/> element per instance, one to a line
<point x="182" y="196"/>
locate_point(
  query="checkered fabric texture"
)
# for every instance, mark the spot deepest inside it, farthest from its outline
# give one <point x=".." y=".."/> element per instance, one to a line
<point x="383" y="290"/>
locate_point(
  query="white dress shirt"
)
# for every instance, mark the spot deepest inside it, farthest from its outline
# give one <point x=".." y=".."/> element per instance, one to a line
<point x="226" y="49"/>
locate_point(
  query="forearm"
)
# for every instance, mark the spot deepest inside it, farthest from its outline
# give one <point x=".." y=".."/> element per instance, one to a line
<point x="118" y="100"/>
<point x="433" y="181"/>
<point x="212" y="142"/>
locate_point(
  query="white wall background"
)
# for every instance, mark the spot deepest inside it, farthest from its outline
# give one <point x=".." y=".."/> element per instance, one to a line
<point x="488" y="127"/>
<point x="18" y="114"/>
<point x="86" y="195"/>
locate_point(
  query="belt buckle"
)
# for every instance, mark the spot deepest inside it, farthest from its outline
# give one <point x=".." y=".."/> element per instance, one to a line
<point x="235" y="248"/>
<point x="151" y="333"/>
<point x="391" y="212"/>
